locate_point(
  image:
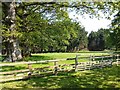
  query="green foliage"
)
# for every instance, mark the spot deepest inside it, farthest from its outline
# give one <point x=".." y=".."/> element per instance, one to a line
<point x="115" y="35"/>
<point x="111" y="35"/>
<point x="47" y="35"/>
<point x="45" y="26"/>
<point x="96" y="41"/>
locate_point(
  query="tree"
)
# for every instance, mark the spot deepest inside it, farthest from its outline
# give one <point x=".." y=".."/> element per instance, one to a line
<point x="116" y="31"/>
<point x="107" y="37"/>
<point x="13" y="50"/>
<point x="91" y="41"/>
<point x="17" y="23"/>
<point x="0" y="29"/>
<point x="78" y="40"/>
<point x="96" y="41"/>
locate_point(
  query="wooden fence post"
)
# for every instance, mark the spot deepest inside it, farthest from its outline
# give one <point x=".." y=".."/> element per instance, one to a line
<point x="55" y="68"/>
<point x="93" y="58"/>
<point x="102" y="63"/>
<point x="117" y="58"/>
<point x="76" y="62"/>
<point x="30" y="69"/>
<point x="91" y="63"/>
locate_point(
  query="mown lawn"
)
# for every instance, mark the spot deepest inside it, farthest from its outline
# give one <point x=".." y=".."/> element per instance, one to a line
<point x="46" y="56"/>
<point x="39" y="65"/>
<point x="97" y="78"/>
<point x="51" y="56"/>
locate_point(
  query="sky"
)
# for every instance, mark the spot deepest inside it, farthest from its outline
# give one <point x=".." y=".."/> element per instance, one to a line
<point x="91" y="24"/>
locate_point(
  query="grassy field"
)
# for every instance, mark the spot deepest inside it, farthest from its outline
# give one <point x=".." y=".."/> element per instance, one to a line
<point x="46" y="56"/>
<point x="51" y="56"/>
<point x="97" y="78"/>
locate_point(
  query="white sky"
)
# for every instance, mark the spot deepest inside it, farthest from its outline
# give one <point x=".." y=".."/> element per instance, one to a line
<point x="91" y="24"/>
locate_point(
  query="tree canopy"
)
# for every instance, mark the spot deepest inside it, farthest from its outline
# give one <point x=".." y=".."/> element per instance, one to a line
<point x="45" y="26"/>
<point x="115" y="31"/>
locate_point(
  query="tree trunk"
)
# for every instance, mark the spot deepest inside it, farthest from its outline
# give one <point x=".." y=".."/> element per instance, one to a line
<point x="0" y="45"/>
<point x="16" y="52"/>
<point x="26" y="51"/>
<point x="12" y="47"/>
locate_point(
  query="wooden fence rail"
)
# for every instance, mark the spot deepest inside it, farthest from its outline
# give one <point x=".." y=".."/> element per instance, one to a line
<point x="94" y="62"/>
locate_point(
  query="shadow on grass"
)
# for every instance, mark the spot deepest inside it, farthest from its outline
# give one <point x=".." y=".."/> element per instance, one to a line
<point x="98" y="78"/>
<point x="37" y="58"/>
<point x="32" y="58"/>
<point x="11" y="68"/>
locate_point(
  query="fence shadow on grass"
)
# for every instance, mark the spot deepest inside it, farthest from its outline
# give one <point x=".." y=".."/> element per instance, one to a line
<point x="98" y="78"/>
<point x="11" y="68"/>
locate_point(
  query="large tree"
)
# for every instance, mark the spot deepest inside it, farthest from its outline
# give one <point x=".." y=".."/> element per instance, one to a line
<point x="17" y="23"/>
<point x="96" y="41"/>
<point x="115" y="34"/>
<point x="107" y="37"/>
<point x="9" y="26"/>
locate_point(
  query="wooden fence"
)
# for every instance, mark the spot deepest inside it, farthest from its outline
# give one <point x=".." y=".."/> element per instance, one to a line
<point x="92" y="63"/>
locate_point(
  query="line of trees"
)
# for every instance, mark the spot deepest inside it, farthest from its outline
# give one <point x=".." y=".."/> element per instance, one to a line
<point x="106" y="38"/>
<point x="96" y="41"/>
<point x="45" y="26"/>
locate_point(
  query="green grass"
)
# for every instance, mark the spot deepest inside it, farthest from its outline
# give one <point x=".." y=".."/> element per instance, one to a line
<point x="68" y="55"/>
<point x="50" y="56"/>
<point x="98" y="78"/>
<point x="11" y="68"/>
<point x="24" y="66"/>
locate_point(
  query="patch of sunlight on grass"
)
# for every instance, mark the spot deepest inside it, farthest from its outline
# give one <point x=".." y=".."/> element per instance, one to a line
<point x="53" y="86"/>
<point x="81" y="73"/>
<point x="68" y="55"/>
<point x="42" y="65"/>
<point x="57" y="55"/>
<point x="66" y="62"/>
<point x="1" y="86"/>
<point x="118" y="85"/>
<point x="83" y="86"/>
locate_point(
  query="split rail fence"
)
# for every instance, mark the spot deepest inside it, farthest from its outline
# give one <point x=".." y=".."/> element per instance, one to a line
<point x="91" y="63"/>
